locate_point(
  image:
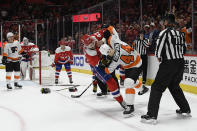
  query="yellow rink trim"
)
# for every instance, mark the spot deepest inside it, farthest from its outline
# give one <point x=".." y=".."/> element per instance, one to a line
<point x="187" y="88"/>
<point x="2" y="67"/>
<point x="81" y="71"/>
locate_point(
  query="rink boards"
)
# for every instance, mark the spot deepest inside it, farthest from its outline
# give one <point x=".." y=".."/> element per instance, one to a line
<point x="189" y="82"/>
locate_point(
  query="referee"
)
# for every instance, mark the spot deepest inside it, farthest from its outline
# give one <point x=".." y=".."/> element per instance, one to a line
<point x="140" y="45"/>
<point x="169" y="51"/>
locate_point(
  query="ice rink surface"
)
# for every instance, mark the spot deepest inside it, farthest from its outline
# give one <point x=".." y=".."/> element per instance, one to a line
<point x="28" y="110"/>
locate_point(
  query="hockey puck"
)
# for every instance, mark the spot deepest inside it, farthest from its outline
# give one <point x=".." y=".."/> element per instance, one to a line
<point x="45" y="90"/>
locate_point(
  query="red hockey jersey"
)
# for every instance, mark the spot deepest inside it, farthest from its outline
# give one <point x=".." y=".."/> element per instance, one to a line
<point x="63" y="56"/>
<point x="92" y="56"/>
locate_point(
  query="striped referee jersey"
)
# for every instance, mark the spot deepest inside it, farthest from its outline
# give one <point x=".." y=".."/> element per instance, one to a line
<point x="170" y="44"/>
<point x="141" y="45"/>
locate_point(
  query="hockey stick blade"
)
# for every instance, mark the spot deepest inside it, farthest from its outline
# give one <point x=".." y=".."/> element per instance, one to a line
<point x="63" y="85"/>
<point x="77" y="96"/>
<point x="73" y="86"/>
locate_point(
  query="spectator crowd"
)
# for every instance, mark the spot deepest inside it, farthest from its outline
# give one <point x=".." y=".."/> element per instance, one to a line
<point x="49" y="20"/>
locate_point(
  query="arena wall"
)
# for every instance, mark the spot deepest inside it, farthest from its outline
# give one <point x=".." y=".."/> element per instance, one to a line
<point x="189" y="82"/>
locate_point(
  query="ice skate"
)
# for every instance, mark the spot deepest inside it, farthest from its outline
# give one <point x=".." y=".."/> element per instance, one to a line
<point x="9" y="87"/>
<point x="70" y="80"/>
<point x="16" y="85"/>
<point x="148" y="119"/>
<point x="102" y="94"/>
<point x="128" y="112"/>
<point x="56" y="81"/>
<point x="183" y="113"/>
<point x="143" y="91"/>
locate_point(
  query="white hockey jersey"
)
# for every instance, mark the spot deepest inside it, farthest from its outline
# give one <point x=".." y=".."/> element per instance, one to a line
<point x="124" y="55"/>
<point x="12" y="51"/>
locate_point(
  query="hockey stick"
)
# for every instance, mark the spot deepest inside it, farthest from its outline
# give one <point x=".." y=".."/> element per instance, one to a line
<point x="64" y="85"/>
<point x="67" y="88"/>
<point x="77" y="96"/>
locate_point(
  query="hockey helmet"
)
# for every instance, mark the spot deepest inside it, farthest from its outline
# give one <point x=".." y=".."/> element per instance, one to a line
<point x="104" y="26"/>
<point x="25" y="38"/>
<point x="86" y="40"/>
<point x="10" y="34"/>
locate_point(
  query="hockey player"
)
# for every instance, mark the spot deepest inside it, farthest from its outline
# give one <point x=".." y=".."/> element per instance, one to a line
<point x="29" y="48"/>
<point x="112" y="30"/>
<point x="63" y="56"/>
<point x="11" y="60"/>
<point x="140" y="45"/>
<point x="94" y="58"/>
<point x="122" y="54"/>
<point x="98" y="37"/>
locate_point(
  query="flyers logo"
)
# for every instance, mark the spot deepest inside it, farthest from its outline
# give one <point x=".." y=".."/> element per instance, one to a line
<point x="14" y="49"/>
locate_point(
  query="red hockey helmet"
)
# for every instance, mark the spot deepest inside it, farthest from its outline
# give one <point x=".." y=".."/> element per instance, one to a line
<point x="86" y="40"/>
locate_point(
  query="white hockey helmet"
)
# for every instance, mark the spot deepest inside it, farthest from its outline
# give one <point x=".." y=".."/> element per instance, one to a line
<point x="10" y="34"/>
<point x="25" y="38"/>
<point x="105" y="49"/>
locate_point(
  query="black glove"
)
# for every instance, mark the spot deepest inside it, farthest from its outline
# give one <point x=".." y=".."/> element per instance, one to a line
<point x="105" y="61"/>
<point x="26" y="56"/>
<point x="4" y="60"/>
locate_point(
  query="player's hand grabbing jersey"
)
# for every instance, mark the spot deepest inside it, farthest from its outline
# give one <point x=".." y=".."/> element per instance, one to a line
<point x="63" y="56"/>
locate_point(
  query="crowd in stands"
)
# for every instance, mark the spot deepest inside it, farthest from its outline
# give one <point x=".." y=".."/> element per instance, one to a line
<point x="128" y="27"/>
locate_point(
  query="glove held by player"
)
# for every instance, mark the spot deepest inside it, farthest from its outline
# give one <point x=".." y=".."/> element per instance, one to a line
<point x="4" y="60"/>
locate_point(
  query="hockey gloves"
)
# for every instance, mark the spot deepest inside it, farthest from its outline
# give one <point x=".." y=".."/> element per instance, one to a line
<point x="4" y="60"/>
<point x="53" y="65"/>
<point x="25" y="55"/>
<point x="105" y="61"/>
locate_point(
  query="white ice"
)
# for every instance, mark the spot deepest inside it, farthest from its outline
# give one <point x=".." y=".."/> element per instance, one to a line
<point x="28" y="110"/>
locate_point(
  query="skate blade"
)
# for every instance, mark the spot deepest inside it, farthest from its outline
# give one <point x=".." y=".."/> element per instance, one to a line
<point x="151" y="121"/>
<point x="18" y="88"/>
<point x="184" y="115"/>
<point x="142" y="93"/>
<point x="9" y="89"/>
<point x="128" y="115"/>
